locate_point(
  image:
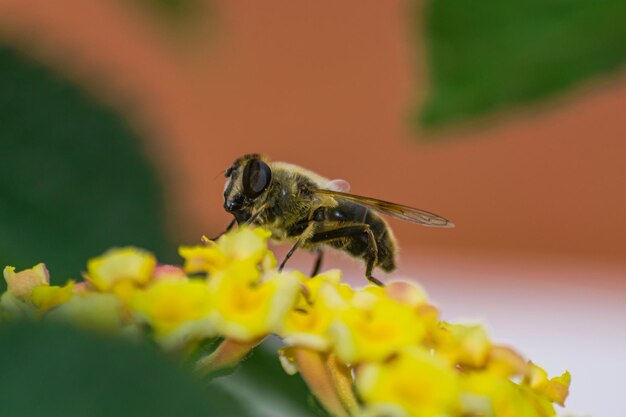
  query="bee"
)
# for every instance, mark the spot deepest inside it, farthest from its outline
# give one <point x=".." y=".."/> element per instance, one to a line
<point x="313" y="212"/>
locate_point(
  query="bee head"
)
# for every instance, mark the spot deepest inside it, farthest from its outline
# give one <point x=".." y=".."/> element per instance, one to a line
<point x="247" y="180"/>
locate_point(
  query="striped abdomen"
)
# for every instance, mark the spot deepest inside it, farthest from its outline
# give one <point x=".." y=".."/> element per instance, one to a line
<point x="347" y="213"/>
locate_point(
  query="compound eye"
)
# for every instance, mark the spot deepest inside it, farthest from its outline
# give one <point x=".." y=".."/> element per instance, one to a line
<point x="256" y="177"/>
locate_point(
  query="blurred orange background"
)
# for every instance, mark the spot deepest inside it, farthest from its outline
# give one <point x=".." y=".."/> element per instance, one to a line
<point x="537" y="195"/>
<point x="329" y="86"/>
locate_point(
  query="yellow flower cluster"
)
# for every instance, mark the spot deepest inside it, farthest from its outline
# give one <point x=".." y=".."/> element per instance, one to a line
<point x="374" y="351"/>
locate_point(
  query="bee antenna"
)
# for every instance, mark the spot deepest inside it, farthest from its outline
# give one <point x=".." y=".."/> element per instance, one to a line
<point x="219" y="174"/>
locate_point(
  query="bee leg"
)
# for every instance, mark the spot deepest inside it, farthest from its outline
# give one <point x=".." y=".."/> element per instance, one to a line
<point x="230" y="226"/>
<point x="307" y="232"/>
<point x="289" y="254"/>
<point x="372" y="259"/>
<point x="318" y="262"/>
<point x="368" y="273"/>
<point x="351" y="231"/>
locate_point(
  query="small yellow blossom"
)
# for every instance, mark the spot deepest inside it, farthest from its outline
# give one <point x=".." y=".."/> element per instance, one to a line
<point x="374" y="326"/>
<point x="308" y="324"/>
<point x="202" y="258"/>
<point x="169" y="304"/>
<point x="312" y="285"/>
<point x="466" y="345"/>
<point x="46" y="297"/>
<point x="242" y="245"/>
<point x="21" y="284"/>
<point x="123" y="267"/>
<point x="555" y="389"/>
<point x="485" y="394"/>
<point x="245" y="243"/>
<point x="415" y="381"/>
<point x="247" y="309"/>
<point x="504" y="361"/>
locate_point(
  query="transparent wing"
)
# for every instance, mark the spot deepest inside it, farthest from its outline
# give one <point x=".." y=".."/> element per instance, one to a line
<point x="342" y="186"/>
<point x="398" y="211"/>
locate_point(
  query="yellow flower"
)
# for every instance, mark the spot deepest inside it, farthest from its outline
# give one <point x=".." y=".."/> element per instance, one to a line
<point x="21" y="284"/>
<point x="242" y="245"/>
<point x="555" y="389"/>
<point x="308" y="324"/>
<point x="245" y="243"/>
<point x="466" y="345"/>
<point x="177" y="310"/>
<point x="414" y="296"/>
<point x="489" y="395"/>
<point x="385" y="344"/>
<point x="312" y="285"/>
<point x="248" y="309"/>
<point x="505" y="362"/>
<point x="420" y="384"/>
<point x="45" y="297"/>
<point x="121" y="268"/>
<point x="374" y="326"/>
<point x="202" y="258"/>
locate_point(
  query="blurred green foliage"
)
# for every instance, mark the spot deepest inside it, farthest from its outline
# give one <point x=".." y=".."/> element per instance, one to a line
<point x="52" y="370"/>
<point x="73" y="178"/>
<point x="488" y="55"/>
<point x="261" y="383"/>
<point x="176" y="11"/>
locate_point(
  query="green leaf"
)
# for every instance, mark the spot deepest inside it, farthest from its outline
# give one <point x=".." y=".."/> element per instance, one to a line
<point x="73" y="178"/>
<point x="51" y="370"/>
<point x="488" y="55"/>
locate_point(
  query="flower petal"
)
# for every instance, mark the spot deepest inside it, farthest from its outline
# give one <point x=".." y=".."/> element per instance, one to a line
<point x="21" y="284"/>
<point x="120" y="264"/>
